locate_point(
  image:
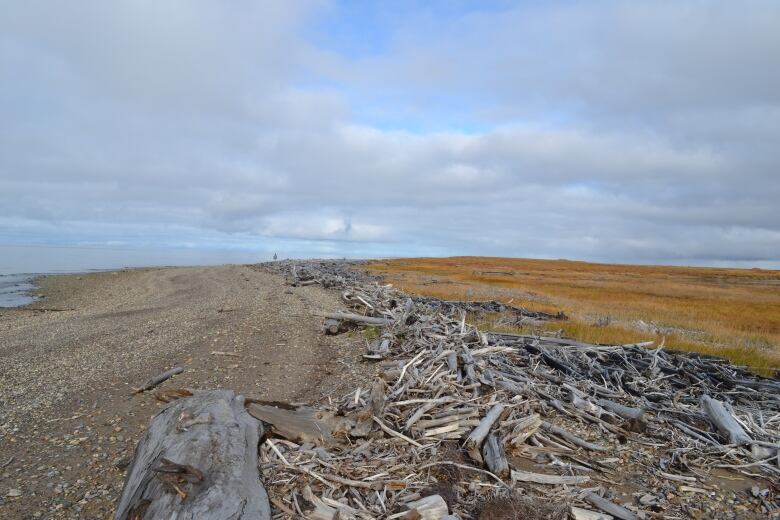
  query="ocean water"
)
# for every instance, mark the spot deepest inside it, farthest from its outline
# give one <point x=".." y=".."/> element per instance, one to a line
<point x="19" y="265"/>
<point x="15" y="290"/>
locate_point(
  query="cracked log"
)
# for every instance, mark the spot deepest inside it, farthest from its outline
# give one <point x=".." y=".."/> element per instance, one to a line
<point x="724" y="421"/>
<point x="197" y="460"/>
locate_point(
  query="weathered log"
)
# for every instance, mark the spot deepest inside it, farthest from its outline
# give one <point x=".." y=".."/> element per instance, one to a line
<point x="207" y="470"/>
<point x="626" y="412"/>
<point x="585" y="514"/>
<point x="637" y="422"/>
<point x="478" y="434"/>
<point x="357" y="318"/>
<point x="364" y="419"/>
<point x="495" y="457"/>
<point x="541" y="478"/>
<point x="301" y="424"/>
<point x="560" y="432"/>
<point x="432" y="507"/>
<point x="728" y="427"/>
<point x="524" y="428"/>
<point x="378" y="349"/>
<point x="609" y="507"/>
<point x="156" y="380"/>
<point x="317" y="509"/>
<point x="332" y="327"/>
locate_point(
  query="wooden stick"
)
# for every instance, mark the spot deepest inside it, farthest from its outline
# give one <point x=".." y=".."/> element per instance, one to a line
<point x="394" y="433"/>
<point x="156" y="380"/>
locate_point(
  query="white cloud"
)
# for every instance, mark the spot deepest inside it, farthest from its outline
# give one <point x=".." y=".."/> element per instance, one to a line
<point x="611" y="131"/>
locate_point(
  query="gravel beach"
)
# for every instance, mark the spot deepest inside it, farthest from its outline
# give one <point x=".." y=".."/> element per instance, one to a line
<point x="68" y="419"/>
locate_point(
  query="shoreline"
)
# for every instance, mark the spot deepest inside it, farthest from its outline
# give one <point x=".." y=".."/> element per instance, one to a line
<point x="19" y="290"/>
<point x="68" y="375"/>
<point x="22" y="290"/>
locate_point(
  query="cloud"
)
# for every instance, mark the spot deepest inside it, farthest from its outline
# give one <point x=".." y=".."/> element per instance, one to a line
<point x="642" y="131"/>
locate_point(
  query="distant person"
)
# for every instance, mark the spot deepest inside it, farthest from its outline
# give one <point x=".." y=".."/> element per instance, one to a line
<point x="275" y="257"/>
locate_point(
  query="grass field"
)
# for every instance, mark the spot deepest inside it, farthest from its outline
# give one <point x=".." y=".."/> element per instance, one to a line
<point x="733" y="313"/>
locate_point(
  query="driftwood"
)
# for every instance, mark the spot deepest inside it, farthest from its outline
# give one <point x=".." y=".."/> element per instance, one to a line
<point x="432" y="507"/>
<point x="202" y="469"/>
<point x="332" y="327"/>
<point x="560" y="432"/>
<point x="610" y="508"/>
<point x="724" y="421"/>
<point x="494" y="456"/>
<point x="579" y="513"/>
<point x="357" y="318"/>
<point x="539" y="478"/>
<point x="626" y="412"/>
<point x="301" y="424"/>
<point x="474" y="440"/>
<point x="576" y="414"/>
<point x="156" y="380"/>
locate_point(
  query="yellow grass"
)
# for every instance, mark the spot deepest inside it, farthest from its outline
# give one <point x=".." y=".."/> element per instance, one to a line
<point x="734" y="313"/>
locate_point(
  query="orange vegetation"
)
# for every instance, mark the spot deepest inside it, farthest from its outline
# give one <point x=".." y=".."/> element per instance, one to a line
<point x="734" y="313"/>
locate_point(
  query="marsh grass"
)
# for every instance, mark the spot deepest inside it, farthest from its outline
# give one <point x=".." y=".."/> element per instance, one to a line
<point x="732" y="313"/>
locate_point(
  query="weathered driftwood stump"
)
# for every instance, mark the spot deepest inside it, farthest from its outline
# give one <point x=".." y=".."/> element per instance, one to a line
<point x="197" y="460"/>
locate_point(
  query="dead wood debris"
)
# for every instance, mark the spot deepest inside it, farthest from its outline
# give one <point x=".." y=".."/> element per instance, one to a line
<point x="156" y="380"/>
<point x="609" y="431"/>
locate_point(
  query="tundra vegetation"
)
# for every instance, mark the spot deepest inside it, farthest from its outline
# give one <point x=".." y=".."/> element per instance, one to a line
<point x="732" y="313"/>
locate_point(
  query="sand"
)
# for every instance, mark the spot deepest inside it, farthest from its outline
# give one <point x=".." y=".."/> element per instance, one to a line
<point x="68" y="421"/>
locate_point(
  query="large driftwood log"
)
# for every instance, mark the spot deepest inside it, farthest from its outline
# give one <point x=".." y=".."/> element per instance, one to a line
<point x="197" y="460"/>
<point x="724" y="421"/>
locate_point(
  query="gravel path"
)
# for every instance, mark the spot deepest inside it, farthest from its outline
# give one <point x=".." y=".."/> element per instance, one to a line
<point x="68" y="422"/>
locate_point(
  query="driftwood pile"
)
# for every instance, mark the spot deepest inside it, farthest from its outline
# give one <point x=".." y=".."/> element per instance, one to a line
<point x="460" y="416"/>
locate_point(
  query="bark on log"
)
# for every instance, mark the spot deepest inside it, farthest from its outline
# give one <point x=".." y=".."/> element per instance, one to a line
<point x="197" y="460"/>
<point x="724" y="421"/>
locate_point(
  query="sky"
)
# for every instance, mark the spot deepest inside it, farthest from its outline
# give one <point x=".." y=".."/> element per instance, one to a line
<point x="634" y="131"/>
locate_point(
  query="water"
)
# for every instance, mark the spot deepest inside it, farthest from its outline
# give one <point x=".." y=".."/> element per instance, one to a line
<point x="20" y="264"/>
<point x="15" y="290"/>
